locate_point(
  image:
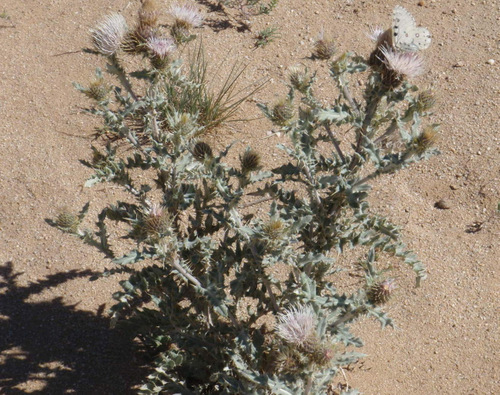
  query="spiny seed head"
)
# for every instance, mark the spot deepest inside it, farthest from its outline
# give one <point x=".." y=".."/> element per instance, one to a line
<point x="149" y="13"/>
<point x="426" y="139"/>
<point x="108" y="35"/>
<point x="250" y="161"/>
<point x="202" y="151"/>
<point x="275" y="228"/>
<point x="67" y="220"/>
<point x="157" y="222"/>
<point x="380" y="292"/>
<point x="426" y="100"/>
<point x="300" y="79"/>
<point x="282" y="112"/>
<point x="98" y="90"/>
<point x="322" y="354"/>
<point x="324" y="48"/>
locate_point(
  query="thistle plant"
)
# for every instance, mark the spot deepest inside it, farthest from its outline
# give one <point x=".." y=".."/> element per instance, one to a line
<point x="231" y="302"/>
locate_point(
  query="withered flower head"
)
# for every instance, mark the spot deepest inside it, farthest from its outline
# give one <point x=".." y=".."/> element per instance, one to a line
<point x="250" y="161"/>
<point x="201" y="151"/>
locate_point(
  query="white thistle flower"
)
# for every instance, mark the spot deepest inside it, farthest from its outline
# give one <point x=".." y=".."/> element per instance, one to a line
<point x="404" y="64"/>
<point x="108" y="35"/>
<point x="375" y="33"/>
<point x="186" y="14"/>
<point x="161" y="47"/>
<point x="297" y="325"/>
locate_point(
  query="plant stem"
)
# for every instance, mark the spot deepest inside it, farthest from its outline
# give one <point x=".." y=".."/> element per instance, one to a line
<point x="335" y="143"/>
<point x="307" y="390"/>
<point x="122" y="76"/>
<point x="190" y="277"/>
<point x="347" y="95"/>
<point x="261" y="200"/>
<point x="361" y="132"/>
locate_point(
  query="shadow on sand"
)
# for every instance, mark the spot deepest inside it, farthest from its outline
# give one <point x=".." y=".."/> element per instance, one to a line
<point x="58" y="348"/>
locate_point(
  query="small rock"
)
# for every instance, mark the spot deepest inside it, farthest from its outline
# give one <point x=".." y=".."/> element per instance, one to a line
<point x="421" y="3"/>
<point x="453" y="187"/>
<point x="442" y="205"/>
<point x="459" y="64"/>
<point x="491" y="61"/>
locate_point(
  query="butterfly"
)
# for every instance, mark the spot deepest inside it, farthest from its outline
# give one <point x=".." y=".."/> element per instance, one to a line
<point x="406" y="36"/>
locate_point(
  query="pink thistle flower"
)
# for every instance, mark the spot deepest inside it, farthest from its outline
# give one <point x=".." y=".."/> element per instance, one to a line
<point x="161" y="47"/>
<point x="108" y="35"/>
<point x="297" y="325"/>
<point x="186" y="15"/>
<point x="403" y="64"/>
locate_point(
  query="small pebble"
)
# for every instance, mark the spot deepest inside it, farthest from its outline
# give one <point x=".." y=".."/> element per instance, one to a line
<point x="459" y="64"/>
<point x="442" y="205"/>
<point x="421" y="3"/>
<point x="491" y="61"/>
<point x="453" y="187"/>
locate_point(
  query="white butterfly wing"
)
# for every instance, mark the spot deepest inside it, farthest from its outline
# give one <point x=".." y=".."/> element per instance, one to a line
<point x="406" y="35"/>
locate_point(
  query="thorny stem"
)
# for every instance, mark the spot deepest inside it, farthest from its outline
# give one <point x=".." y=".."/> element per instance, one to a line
<point x="196" y="282"/>
<point x="361" y="132"/>
<point x="190" y="277"/>
<point x="335" y="143"/>
<point x="347" y="95"/>
<point x="315" y="192"/>
<point x="365" y="179"/>
<point x="266" y="282"/>
<point x="348" y="316"/>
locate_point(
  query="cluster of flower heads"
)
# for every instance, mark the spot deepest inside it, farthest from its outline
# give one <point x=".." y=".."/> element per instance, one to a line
<point x="395" y="64"/>
<point x="113" y="33"/>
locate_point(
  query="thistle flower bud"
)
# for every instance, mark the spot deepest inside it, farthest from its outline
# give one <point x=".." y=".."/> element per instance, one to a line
<point x="274" y="229"/>
<point x="109" y="35"/>
<point x="250" y="161"/>
<point x="202" y="151"/>
<point x="149" y="13"/>
<point x="300" y="79"/>
<point x="157" y="222"/>
<point x="425" y="140"/>
<point x="324" y="49"/>
<point x="98" y="90"/>
<point x="282" y="112"/>
<point x="380" y="292"/>
<point x="67" y="221"/>
<point x="425" y="100"/>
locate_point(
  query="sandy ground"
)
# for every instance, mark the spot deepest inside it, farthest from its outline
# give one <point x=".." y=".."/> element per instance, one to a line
<point x="53" y="326"/>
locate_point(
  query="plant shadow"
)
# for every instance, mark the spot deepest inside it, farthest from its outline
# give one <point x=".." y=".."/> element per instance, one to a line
<point x="52" y="348"/>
